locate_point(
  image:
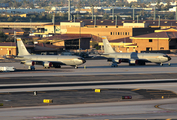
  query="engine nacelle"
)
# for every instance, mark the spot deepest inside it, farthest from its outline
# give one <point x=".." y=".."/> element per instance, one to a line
<point x="29" y="63"/>
<point x="116" y="60"/>
<point x="133" y="62"/>
<point x="47" y="64"/>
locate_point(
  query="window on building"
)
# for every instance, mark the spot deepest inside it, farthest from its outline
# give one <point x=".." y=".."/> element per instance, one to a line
<point x="106" y="26"/>
<point x="150" y="40"/>
<point x="110" y="33"/>
<point x="125" y="33"/>
<point x="45" y="29"/>
<point x="133" y="49"/>
<point x="148" y="49"/>
<point x="128" y="33"/>
<point x="117" y="33"/>
<point x="116" y="26"/>
<point x="127" y="49"/>
<point x="161" y="48"/>
<point x="9" y="52"/>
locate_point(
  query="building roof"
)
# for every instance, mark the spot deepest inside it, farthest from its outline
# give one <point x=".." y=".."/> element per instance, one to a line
<point x="120" y="22"/>
<point x="49" y="46"/>
<point x="68" y="36"/>
<point x="11" y="30"/>
<point x="44" y="47"/>
<point x="124" y="40"/>
<point x="155" y="35"/>
<point x="7" y="44"/>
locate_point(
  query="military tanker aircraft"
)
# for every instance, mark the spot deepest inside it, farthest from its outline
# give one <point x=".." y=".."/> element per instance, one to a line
<point x="46" y="60"/>
<point x="132" y="58"/>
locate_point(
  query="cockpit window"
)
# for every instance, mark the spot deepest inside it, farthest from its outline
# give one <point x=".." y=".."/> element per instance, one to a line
<point x="81" y="58"/>
<point x="165" y="55"/>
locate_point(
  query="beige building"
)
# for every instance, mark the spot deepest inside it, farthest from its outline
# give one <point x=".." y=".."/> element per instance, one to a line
<point x="7" y="49"/>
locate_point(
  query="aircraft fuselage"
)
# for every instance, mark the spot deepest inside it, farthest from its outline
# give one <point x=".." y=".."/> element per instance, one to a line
<point x="146" y="57"/>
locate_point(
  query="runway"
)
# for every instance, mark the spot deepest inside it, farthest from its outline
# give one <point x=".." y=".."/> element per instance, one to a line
<point x="116" y="110"/>
<point x="95" y="74"/>
<point x="92" y="67"/>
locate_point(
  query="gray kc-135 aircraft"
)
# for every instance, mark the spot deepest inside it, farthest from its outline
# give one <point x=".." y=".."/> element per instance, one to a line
<point x="132" y="58"/>
<point x="46" y="60"/>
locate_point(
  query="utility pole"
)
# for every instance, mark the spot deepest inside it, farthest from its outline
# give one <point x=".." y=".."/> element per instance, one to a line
<point x="74" y="18"/>
<point x="159" y="20"/>
<point x="133" y="13"/>
<point x="116" y="20"/>
<point x="154" y="13"/>
<point x="69" y="10"/>
<point x="92" y="11"/>
<point x="53" y="21"/>
<point x="113" y="13"/>
<point x="95" y="21"/>
<point x="176" y="12"/>
<point x="14" y="36"/>
<point x="30" y="26"/>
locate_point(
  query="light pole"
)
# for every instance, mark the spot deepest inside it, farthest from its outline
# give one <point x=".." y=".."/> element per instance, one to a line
<point x="92" y="11"/>
<point x="30" y="24"/>
<point x="74" y="18"/>
<point x="154" y="13"/>
<point x="176" y="11"/>
<point x="137" y="18"/>
<point x="133" y="13"/>
<point x="159" y="20"/>
<point x="95" y="21"/>
<point x="113" y="13"/>
<point x="116" y="20"/>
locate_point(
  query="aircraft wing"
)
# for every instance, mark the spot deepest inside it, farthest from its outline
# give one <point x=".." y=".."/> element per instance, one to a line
<point x="126" y="60"/>
<point x="44" y="63"/>
<point x="51" y="62"/>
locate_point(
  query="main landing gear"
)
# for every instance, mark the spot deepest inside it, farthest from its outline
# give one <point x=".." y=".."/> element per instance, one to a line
<point x="31" y="68"/>
<point x="161" y="64"/>
<point x="114" y="65"/>
<point x="75" y="66"/>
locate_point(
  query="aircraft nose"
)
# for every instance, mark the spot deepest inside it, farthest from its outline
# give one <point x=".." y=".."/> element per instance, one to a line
<point x="169" y="58"/>
<point x="83" y="60"/>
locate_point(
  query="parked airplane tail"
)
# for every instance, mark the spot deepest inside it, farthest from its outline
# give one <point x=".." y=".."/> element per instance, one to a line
<point x="107" y="46"/>
<point x="21" y="48"/>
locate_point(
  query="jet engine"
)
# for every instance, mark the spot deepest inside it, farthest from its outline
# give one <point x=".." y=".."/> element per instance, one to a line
<point x="29" y="63"/>
<point x="118" y="61"/>
<point x="47" y="64"/>
<point x="133" y="62"/>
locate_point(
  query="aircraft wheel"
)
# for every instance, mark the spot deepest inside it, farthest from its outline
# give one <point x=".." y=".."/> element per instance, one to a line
<point x="33" y="68"/>
<point x="131" y="64"/>
<point x="161" y="64"/>
<point x="76" y="67"/>
<point x="169" y="64"/>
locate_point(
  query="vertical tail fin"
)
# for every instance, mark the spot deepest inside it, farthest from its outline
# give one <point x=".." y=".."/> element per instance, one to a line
<point x="21" y="48"/>
<point x="107" y="46"/>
